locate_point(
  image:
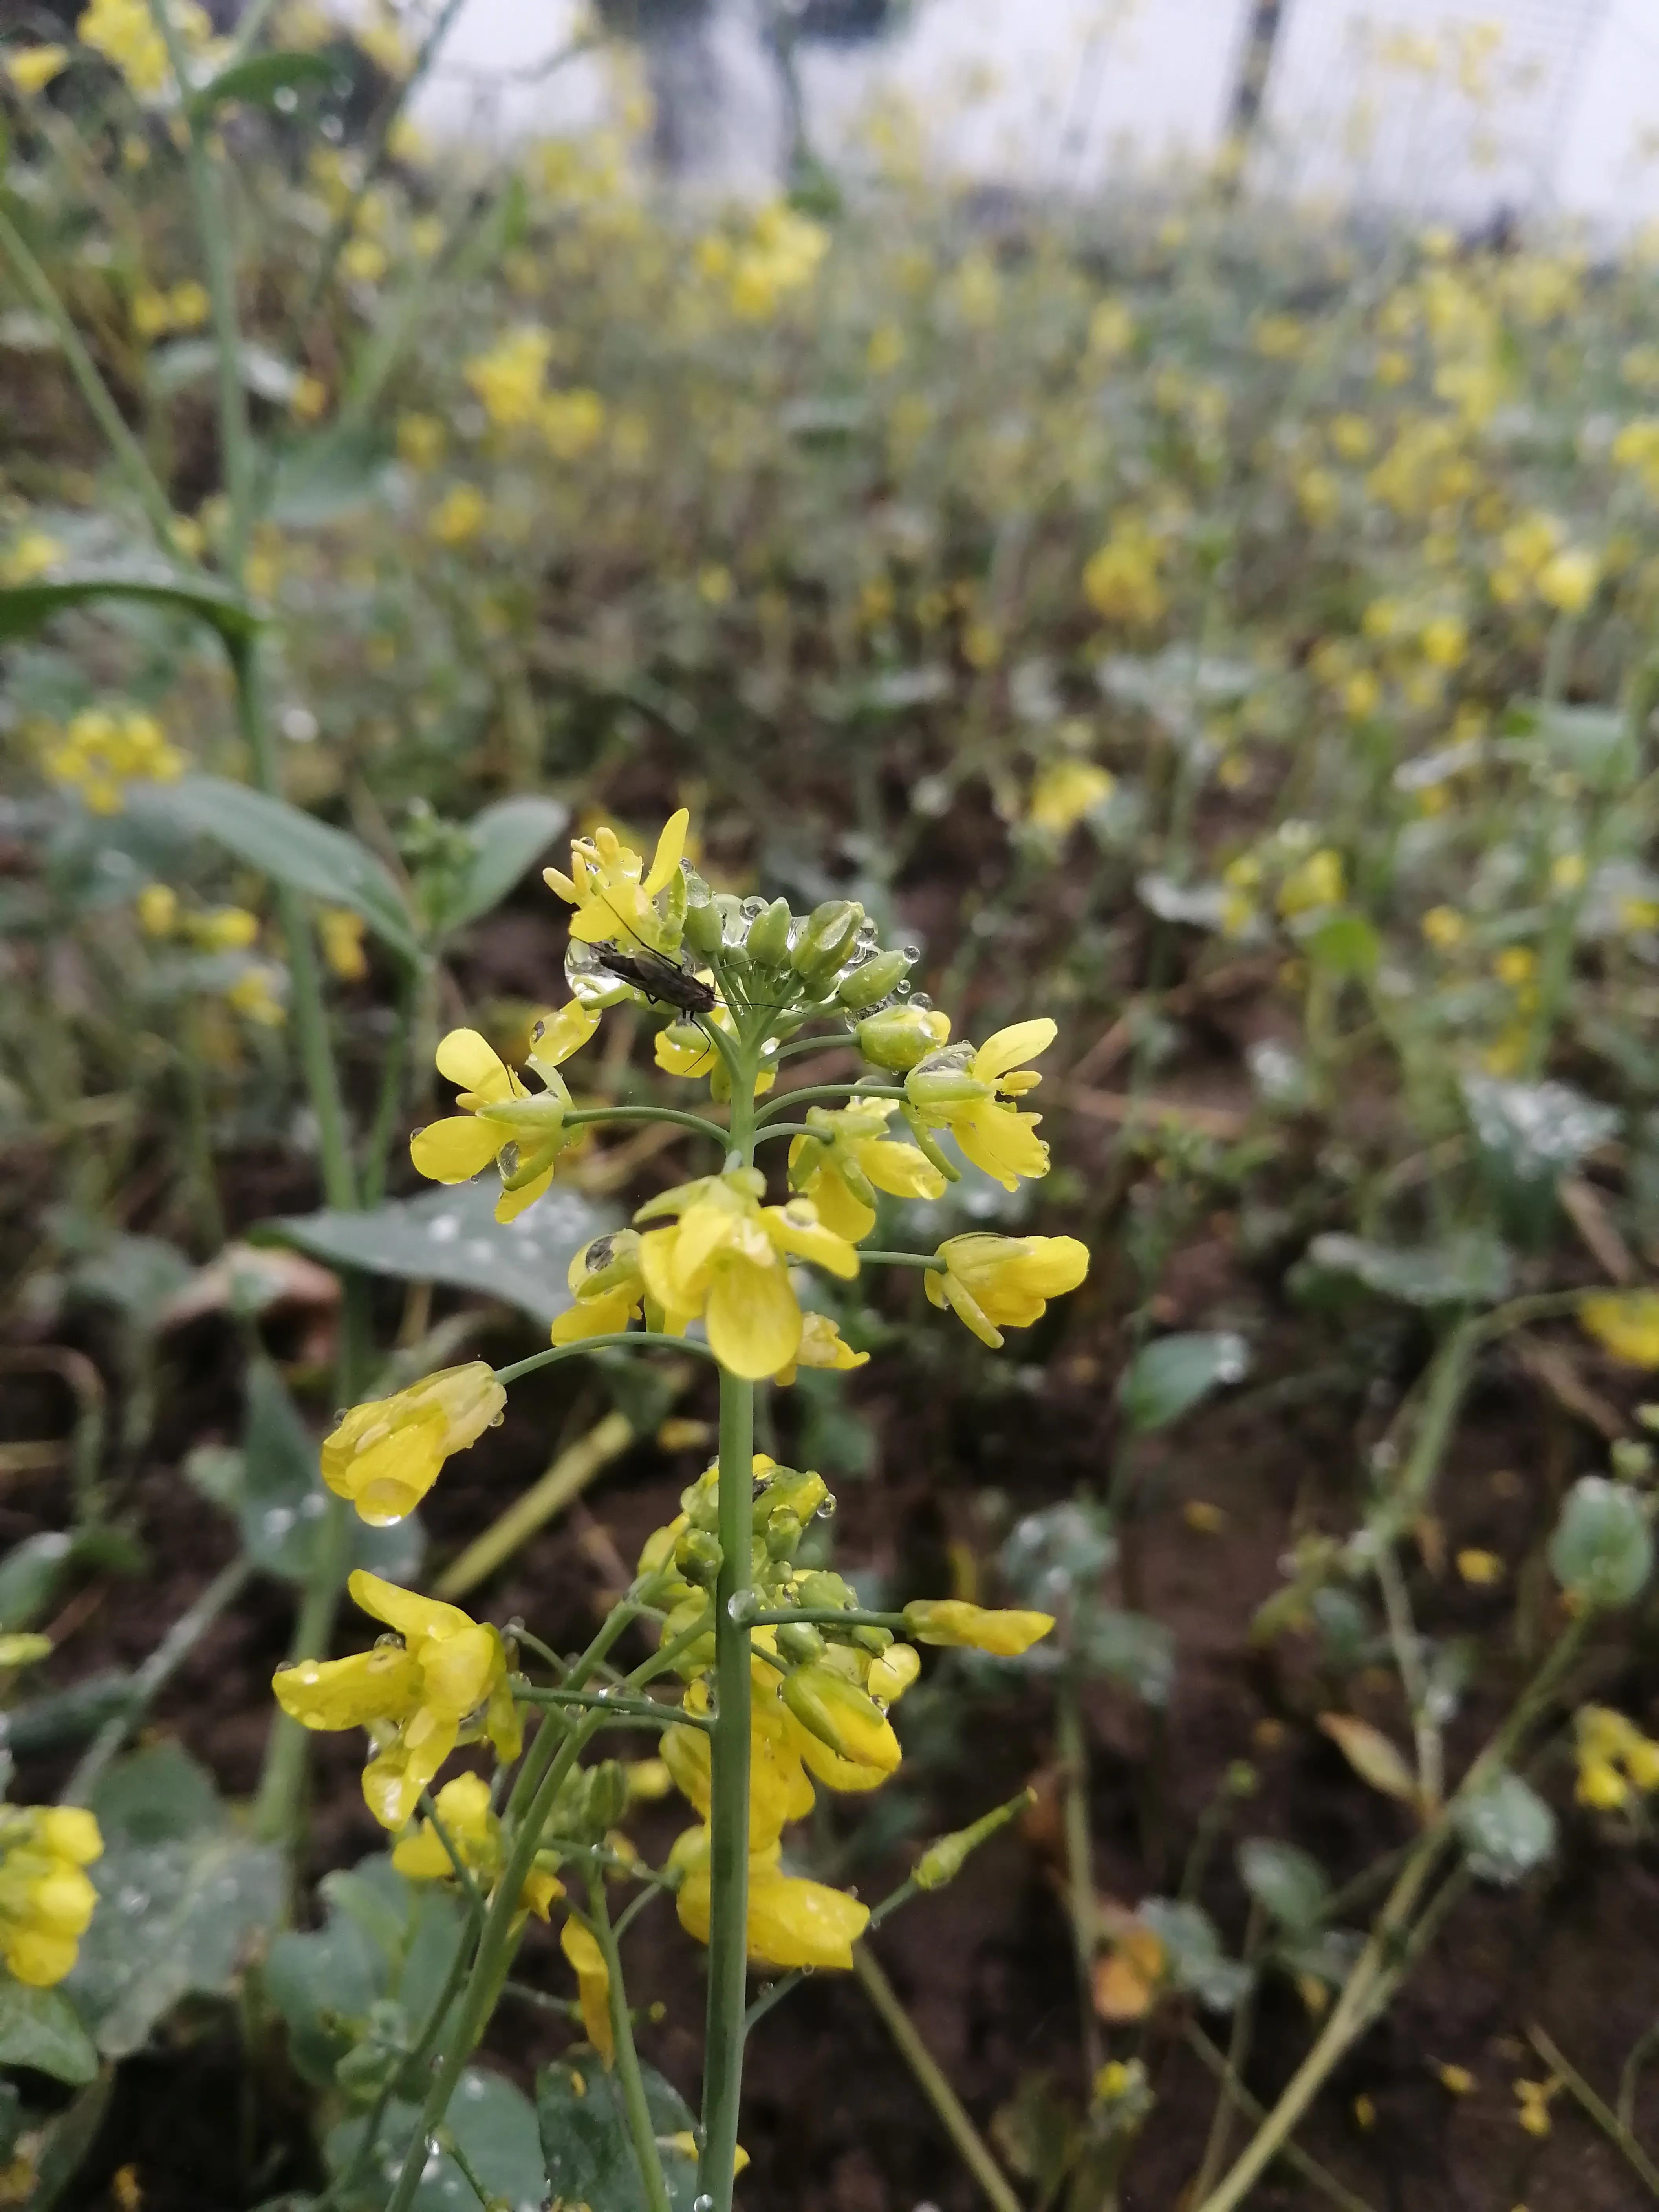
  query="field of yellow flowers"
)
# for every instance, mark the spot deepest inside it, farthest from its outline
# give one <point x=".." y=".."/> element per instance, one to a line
<point x="594" y="785"/>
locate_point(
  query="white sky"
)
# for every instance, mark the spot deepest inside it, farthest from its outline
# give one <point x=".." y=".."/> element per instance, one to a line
<point x="1070" y="90"/>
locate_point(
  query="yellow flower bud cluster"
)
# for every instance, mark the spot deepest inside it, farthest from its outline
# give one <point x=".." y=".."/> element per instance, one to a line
<point x="185" y="308"/>
<point x="46" y="1897"/>
<point x="103" y="748"/>
<point x="1615" y="1759"/>
<point x="779" y="256"/>
<point x="124" y="32"/>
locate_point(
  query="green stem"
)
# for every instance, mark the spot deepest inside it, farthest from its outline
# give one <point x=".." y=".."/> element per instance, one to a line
<point x="393" y="1069"/>
<point x="1600" y="2111"/>
<point x="128" y="454"/>
<point x="1235" y="2093"/>
<point x="582" y="1115"/>
<point x="824" y="1616"/>
<point x="647" y="1709"/>
<point x="638" y="1339"/>
<point x="1073" y="1748"/>
<point x="728" y="1932"/>
<point x="640" y="2124"/>
<point x="902" y="1258"/>
<point x="948" y="2107"/>
<point x="828" y="1090"/>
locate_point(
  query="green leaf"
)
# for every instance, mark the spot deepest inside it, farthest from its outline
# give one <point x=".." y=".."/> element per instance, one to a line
<point x="1344" y="943"/>
<point x="495" y="2125"/>
<point x="1506" y="1829"/>
<point x="1171" y="1376"/>
<point x="452" y="1236"/>
<point x="259" y="79"/>
<point x="1603" y="1548"/>
<point x="31" y="1575"/>
<point x="1049" y="1555"/>
<point x="507" y="838"/>
<point x="175" y="1917"/>
<point x="25" y="607"/>
<point x="281" y="1499"/>
<point x="284" y="843"/>
<point x="70" y="1715"/>
<point x="173" y="367"/>
<point x="138" y="1275"/>
<point x="1196" y="1960"/>
<point x="1472" y="1270"/>
<point x="1129" y="1648"/>
<point x="318" y="481"/>
<point x="1288" y="1884"/>
<point x="40" y="2028"/>
<point x="589" y="2157"/>
<point x="159" y="1796"/>
<point x="68" y="2139"/>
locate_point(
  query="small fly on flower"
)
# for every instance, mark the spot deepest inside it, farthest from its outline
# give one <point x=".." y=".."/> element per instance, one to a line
<point x="661" y="979"/>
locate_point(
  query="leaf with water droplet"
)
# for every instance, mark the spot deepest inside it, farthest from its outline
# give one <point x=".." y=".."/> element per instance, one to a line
<point x="1171" y="1376"/>
<point x="586" y="2145"/>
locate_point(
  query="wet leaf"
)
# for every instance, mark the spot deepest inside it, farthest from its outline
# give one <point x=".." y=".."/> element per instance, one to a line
<point x="1288" y="1883"/>
<point x="31" y="1575"/>
<point x="588" y="2156"/>
<point x="1506" y="1830"/>
<point x="1051" y="1554"/>
<point x="493" y="2123"/>
<point x="1471" y="1270"/>
<point x="1171" y="1376"/>
<point x="1601" y="1551"/>
<point x="260" y="78"/>
<point x="25" y="607"/>
<point x="507" y="838"/>
<point x="41" y="2029"/>
<point x="1129" y="1648"/>
<point x="1373" y="1758"/>
<point x="452" y="1236"/>
<point x="157" y="1795"/>
<point x="1196" y="1961"/>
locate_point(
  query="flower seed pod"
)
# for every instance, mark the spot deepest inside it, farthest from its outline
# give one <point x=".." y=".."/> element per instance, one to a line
<point x="898" y="1037"/>
<point x="768" y="936"/>
<point x="868" y="985"/>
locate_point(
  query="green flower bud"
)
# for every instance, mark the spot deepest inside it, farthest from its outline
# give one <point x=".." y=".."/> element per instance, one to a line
<point x="824" y="1592"/>
<point x="702" y="928"/>
<point x="869" y="1638"/>
<point x="783" y="1534"/>
<point x="873" y="981"/>
<point x="798" y="1641"/>
<point x="697" y="1555"/>
<point x="792" y="1493"/>
<point x="898" y="1037"/>
<point x="769" y="935"/>
<point x="842" y="1714"/>
<point x="944" y="1859"/>
<point x="830" y="932"/>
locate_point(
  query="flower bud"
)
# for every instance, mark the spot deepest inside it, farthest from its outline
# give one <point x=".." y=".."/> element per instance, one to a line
<point x="898" y="1037"/>
<point x="384" y="1455"/>
<point x="768" y="936"/>
<point x="703" y="933"/>
<point x="952" y="1621"/>
<point x="820" y="1591"/>
<point x="942" y="1078"/>
<point x="799" y="1642"/>
<point x="868" y="985"/>
<point x="944" y="1859"/>
<point x="788" y="1491"/>
<point x="697" y="1555"/>
<point x="841" y="1715"/>
<point x="830" y="932"/>
<point x="783" y="1534"/>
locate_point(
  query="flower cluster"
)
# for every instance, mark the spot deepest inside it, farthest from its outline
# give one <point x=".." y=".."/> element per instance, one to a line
<point x="103" y="749"/>
<point x="46" y="1897"/>
<point x="1615" y="1758"/>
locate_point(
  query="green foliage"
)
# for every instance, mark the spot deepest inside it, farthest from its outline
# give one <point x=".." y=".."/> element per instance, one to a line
<point x="1173" y="1374"/>
<point x="1601" y="1551"/>
<point x="585" y="2146"/>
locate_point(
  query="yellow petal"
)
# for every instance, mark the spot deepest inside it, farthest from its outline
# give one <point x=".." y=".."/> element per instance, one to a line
<point x="669" y="848"/>
<point x="471" y="1063"/>
<point x="1001" y="1141"/>
<point x="1012" y="1046"/>
<point x="752" y="1318"/>
<point x="512" y="1203"/>
<point x="793" y="1923"/>
<point x="341" y="1693"/>
<point x="592" y="1986"/>
<point x="413" y="1616"/>
<point x="839" y="1212"/>
<point x="901" y="1171"/>
<point x="455" y="1149"/>
<point x="455" y="1671"/>
<point x="952" y="1621"/>
<point x="557" y="1035"/>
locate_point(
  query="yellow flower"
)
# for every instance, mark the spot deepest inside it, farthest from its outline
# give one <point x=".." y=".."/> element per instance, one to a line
<point x="103" y="750"/>
<point x="1065" y="791"/>
<point x="387" y="1454"/>
<point x="974" y="1095"/>
<point x="254" y="996"/>
<point x="470" y="1823"/>
<point x="444" y="1683"/>
<point x="420" y="441"/>
<point x="46" y="1898"/>
<point x="790" y="1923"/>
<point x="366" y="259"/>
<point x="843" y="1717"/>
<point x="35" y="553"/>
<point x="1443" y="927"/>
<point x="158" y="909"/>
<point x="459" y="515"/>
<point x="1624" y="1323"/>
<point x="581" y="1947"/>
<point x="615" y="895"/>
<point x="1445" y="640"/>
<point x="1515" y="965"/>
<point x="342" y="933"/>
<point x="608" y="1286"/>
<point x="994" y="1283"/>
<point x="572" y="422"/>
<point x="1318" y="882"/>
<point x="224" y="929"/>
<point x="1568" y="580"/>
<point x="1480" y="1569"/>
<point x="522" y="1131"/>
<point x="683" y="1049"/>
<point x="1121" y="581"/>
<point x="726" y="1261"/>
<point x="309" y="398"/>
<point x="779" y="1790"/>
<point x="848" y="1158"/>
<point x="952" y="1622"/>
<point x="124" y="32"/>
<point x="1600" y="1785"/>
<point x="508" y="378"/>
<point x="31" y="69"/>
<point x="188" y="304"/>
<point x="821" y="1346"/>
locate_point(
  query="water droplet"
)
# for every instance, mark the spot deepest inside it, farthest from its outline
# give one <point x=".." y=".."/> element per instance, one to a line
<point x="921" y="1002"/>
<point x="704" y="2203"/>
<point x="753" y="908"/>
<point x="495" y="1420"/>
<point x="912" y="952"/>
<point x="900" y="990"/>
<point x="827" y="1508"/>
<point x="285" y="99"/>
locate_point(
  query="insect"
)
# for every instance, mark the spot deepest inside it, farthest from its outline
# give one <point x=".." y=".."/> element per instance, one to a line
<point x="660" y="979"/>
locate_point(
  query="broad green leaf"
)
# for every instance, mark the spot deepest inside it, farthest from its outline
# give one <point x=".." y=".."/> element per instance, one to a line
<point x="65" y="1717"/>
<point x="309" y="856"/>
<point x="1527" y="1136"/>
<point x="452" y="1236"/>
<point x="1506" y="1829"/>
<point x="506" y="839"/>
<point x="589" y="2158"/>
<point x="1601" y="1550"/>
<point x="136" y="1274"/>
<point x="385" y="1940"/>
<point x="1048" y="1556"/>
<point x="40" y="2028"/>
<point x="281" y="1499"/>
<point x="25" y="607"/>
<point x="319" y="480"/>
<point x="1344" y="943"/>
<point x="260" y="78"/>
<point x="186" y="361"/>
<point x="175" y="1917"/>
<point x="1171" y="1376"/>
<point x="158" y="1795"/>
<point x="495" y="2125"/>
<point x="1471" y="1270"/>
<point x="1129" y="1648"/>
<point x="1195" y="1960"/>
<point x="1371" y="1754"/>
<point x="31" y="1575"/>
<point x="1285" y="1881"/>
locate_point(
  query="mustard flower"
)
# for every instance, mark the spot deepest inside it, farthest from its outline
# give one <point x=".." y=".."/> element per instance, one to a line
<point x="458" y="516"/>
<point x="952" y="1621"/>
<point x="849" y="1158"/>
<point x="608" y="1286"/>
<point x="1613" y="1757"/>
<point x="821" y="1346"/>
<point x="46" y="1897"/>
<point x="993" y="1282"/>
<point x="31" y="69"/>
<point x="615" y="895"/>
<point x="471" y="1825"/>
<point x="581" y="1947"/>
<point x="841" y="1715"/>
<point x="1624" y="1323"/>
<point x="726" y="1261"/>
<point x="508" y="378"/>
<point x="103" y="750"/>
<point x="444" y="1682"/>
<point x="342" y="932"/>
<point x="973" y="1093"/>
<point x="521" y="1130"/>
<point x="387" y="1454"/>
<point x="791" y="1921"/>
